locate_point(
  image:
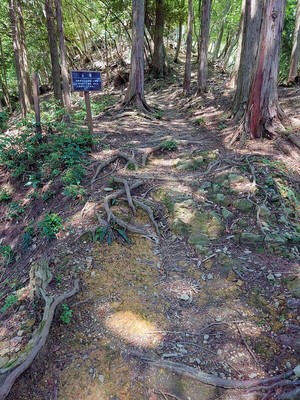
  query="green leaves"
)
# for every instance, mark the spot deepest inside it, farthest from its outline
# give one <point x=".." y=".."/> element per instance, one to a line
<point x="110" y="232"/>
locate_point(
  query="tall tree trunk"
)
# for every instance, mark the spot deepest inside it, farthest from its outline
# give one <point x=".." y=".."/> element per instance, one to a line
<point x="3" y="79"/>
<point x="54" y="55"/>
<point x="226" y="56"/>
<point x="219" y="41"/>
<point x="159" y="67"/>
<point x="204" y="39"/>
<point x="63" y="57"/>
<point x="187" y="70"/>
<point x="181" y="18"/>
<point x="24" y="59"/>
<point x="263" y="107"/>
<point x="223" y="23"/>
<point x="135" y="95"/>
<point x="295" y="55"/>
<point x="250" y="43"/>
<point x="234" y="75"/>
<point x="175" y="59"/>
<point x="16" y="45"/>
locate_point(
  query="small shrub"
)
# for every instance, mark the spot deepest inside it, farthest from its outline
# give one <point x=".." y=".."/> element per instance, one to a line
<point x="6" y="254"/>
<point x="4" y="195"/>
<point x="9" y="302"/>
<point x="66" y="314"/>
<point x="170" y="145"/>
<point x="27" y="237"/>
<point x="74" y="191"/>
<point x="73" y="175"/>
<point x="15" y="210"/>
<point x="159" y="114"/>
<point x="50" y="225"/>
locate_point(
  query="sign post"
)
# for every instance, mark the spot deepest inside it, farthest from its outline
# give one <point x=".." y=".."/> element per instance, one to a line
<point x="87" y="81"/>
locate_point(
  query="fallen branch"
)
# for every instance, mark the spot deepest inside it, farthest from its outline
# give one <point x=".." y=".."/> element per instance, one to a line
<point x="214" y="380"/>
<point x="40" y="339"/>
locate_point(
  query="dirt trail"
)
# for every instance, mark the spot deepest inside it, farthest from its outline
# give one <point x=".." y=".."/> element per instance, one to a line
<point x="211" y="294"/>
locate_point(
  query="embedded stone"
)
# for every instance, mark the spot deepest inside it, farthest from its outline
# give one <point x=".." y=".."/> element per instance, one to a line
<point x="243" y="205"/>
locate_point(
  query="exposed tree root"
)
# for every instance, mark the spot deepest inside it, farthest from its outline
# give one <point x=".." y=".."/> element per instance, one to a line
<point x="295" y="139"/>
<point x="120" y="154"/>
<point x="39" y="339"/>
<point x="150" y="214"/>
<point x="263" y="384"/>
<point x="111" y="217"/>
<point x="135" y="114"/>
<point x="137" y="102"/>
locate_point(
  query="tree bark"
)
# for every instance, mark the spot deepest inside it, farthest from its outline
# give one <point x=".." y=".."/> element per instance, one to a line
<point x="159" y="67"/>
<point x="219" y="41"/>
<point x="63" y="57"/>
<point x="181" y="5"/>
<point x="14" y="20"/>
<point x="295" y="55"/>
<point x="250" y="42"/>
<point x="54" y="54"/>
<point x="135" y="95"/>
<point x="263" y="108"/>
<point x="24" y="58"/>
<point x="234" y="75"/>
<point x="204" y="39"/>
<point x="3" y="79"/>
<point x="187" y="70"/>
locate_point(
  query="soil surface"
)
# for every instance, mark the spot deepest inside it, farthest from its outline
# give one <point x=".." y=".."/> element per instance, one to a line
<point x="214" y="286"/>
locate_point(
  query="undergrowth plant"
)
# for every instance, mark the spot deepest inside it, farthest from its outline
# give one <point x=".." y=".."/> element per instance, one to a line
<point x="10" y="300"/>
<point x="6" y="254"/>
<point x="37" y="160"/>
<point x="3" y="120"/>
<point x="50" y="225"/>
<point x="66" y="314"/>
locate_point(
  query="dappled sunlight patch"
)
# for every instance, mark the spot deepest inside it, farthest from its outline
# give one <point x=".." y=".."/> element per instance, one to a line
<point x="133" y="328"/>
<point x="164" y="162"/>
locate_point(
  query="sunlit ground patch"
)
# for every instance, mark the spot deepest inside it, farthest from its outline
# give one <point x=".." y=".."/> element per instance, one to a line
<point x="134" y="329"/>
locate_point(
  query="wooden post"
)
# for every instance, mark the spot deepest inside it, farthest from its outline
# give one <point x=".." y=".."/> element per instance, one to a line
<point x="88" y="112"/>
<point x="36" y="100"/>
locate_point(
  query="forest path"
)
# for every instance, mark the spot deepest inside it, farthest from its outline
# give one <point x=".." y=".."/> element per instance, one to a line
<point x="210" y="294"/>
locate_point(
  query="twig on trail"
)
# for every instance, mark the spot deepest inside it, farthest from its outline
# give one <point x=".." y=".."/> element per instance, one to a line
<point x="219" y="323"/>
<point x="164" y="394"/>
<point x="208" y="258"/>
<point x="201" y="330"/>
<point x="211" y="166"/>
<point x="246" y="344"/>
<point x="40" y="339"/>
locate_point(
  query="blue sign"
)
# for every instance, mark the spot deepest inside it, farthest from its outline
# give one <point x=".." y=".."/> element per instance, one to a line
<point x="86" y="81"/>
